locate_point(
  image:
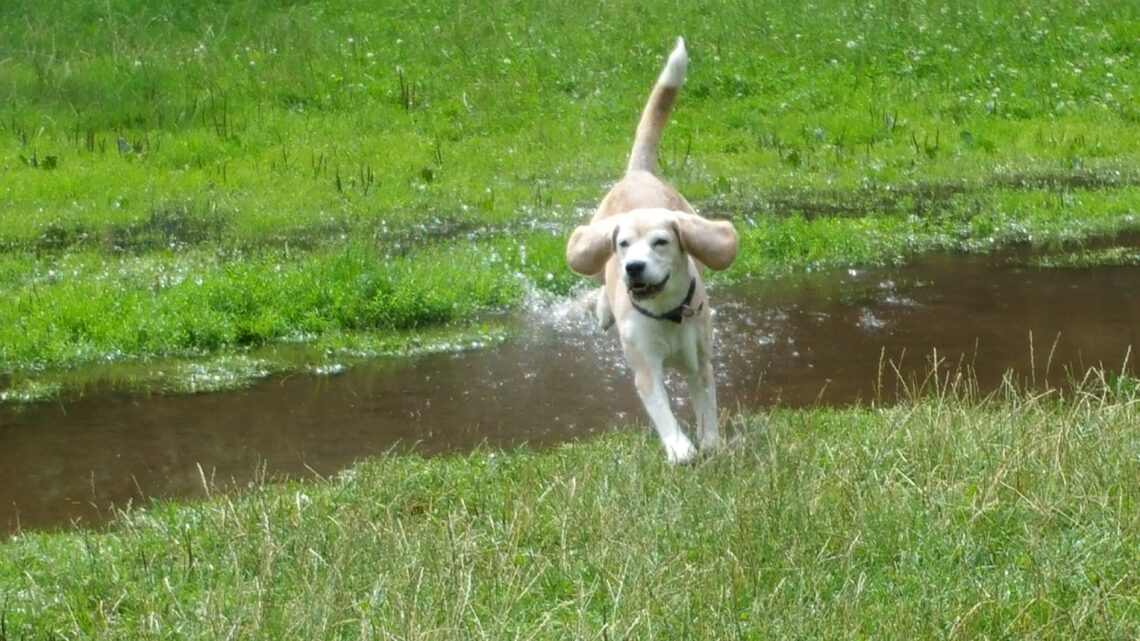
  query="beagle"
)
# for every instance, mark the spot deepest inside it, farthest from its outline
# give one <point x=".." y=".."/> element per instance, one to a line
<point x="647" y="245"/>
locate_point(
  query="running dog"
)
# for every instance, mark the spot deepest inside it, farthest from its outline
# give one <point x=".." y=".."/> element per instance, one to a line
<point x="647" y="245"/>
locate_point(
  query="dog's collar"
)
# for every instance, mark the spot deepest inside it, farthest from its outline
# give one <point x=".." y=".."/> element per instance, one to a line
<point x="678" y="313"/>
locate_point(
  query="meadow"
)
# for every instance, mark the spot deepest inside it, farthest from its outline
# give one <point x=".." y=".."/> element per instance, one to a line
<point x="203" y="182"/>
<point x="194" y="180"/>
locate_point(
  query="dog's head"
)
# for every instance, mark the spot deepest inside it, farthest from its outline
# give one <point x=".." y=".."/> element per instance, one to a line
<point x="650" y="245"/>
<point x="649" y="250"/>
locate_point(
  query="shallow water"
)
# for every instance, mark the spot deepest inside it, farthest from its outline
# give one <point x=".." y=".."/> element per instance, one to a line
<point x="833" y="338"/>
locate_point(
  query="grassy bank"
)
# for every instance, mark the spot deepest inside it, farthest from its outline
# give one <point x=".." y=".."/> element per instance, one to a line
<point x="201" y="178"/>
<point x="945" y="517"/>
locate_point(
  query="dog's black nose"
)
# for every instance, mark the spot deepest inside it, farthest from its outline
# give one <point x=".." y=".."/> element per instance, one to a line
<point x="635" y="267"/>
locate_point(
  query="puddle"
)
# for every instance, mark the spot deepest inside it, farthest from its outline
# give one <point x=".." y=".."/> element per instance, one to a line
<point x="820" y="338"/>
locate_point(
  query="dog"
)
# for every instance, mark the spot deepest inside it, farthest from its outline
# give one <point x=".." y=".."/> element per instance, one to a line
<point x="647" y="246"/>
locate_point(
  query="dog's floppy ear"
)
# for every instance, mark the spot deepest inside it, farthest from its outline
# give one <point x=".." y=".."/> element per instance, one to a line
<point x="590" y="246"/>
<point x="712" y="242"/>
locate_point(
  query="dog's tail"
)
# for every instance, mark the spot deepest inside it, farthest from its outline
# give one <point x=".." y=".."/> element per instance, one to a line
<point x="644" y="154"/>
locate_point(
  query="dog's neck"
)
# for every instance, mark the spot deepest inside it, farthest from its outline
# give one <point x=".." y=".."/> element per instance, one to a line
<point x="678" y="313"/>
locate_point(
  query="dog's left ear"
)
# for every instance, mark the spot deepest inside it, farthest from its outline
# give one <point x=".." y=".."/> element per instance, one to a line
<point x="712" y="242"/>
<point x="590" y="246"/>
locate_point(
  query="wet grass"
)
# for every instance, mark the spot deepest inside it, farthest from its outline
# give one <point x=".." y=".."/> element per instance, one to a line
<point x="1108" y="256"/>
<point x="202" y="179"/>
<point x="947" y="516"/>
<point x="326" y="355"/>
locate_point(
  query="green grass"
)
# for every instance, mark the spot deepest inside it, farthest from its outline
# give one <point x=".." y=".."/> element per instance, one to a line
<point x="283" y="153"/>
<point x="947" y="516"/>
<point x="204" y="303"/>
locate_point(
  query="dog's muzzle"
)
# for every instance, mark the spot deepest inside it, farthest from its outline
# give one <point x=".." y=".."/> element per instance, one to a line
<point x="641" y="290"/>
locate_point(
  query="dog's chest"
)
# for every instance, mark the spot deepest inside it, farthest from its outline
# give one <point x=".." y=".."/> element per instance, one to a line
<point x="673" y="344"/>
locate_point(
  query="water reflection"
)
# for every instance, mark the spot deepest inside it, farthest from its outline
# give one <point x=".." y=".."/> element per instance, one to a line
<point x="831" y="338"/>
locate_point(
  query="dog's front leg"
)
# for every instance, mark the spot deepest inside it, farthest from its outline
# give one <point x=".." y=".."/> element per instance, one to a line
<point x="702" y="389"/>
<point x="650" y="381"/>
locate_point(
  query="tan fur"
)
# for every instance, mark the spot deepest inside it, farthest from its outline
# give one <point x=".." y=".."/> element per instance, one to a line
<point x="644" y="225"/>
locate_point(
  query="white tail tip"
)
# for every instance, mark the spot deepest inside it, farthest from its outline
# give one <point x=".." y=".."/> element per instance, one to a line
<point x="674" y="71"/>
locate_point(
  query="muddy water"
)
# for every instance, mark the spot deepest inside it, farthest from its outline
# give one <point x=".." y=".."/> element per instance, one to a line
<point x="824" y="338"/>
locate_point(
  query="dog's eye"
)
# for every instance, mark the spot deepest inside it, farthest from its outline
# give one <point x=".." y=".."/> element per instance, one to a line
<point x="660" y="242"/>
<point x="623" y="244"/>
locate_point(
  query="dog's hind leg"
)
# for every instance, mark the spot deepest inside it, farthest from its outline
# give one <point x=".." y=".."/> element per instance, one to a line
<point x="602" y="310"/>
<point x="599" y="307"/>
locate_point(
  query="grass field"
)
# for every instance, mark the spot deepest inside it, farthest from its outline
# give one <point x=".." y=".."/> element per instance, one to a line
<point x="945" y="517"/>
<point x="199" y="180"/>
<point x="195" y="179"/>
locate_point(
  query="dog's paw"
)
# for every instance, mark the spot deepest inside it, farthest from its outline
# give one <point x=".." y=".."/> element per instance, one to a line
<point x="679" y="450"/>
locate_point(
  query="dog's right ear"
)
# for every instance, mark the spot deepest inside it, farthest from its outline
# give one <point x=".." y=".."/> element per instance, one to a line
<point x="590" y="246"/>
